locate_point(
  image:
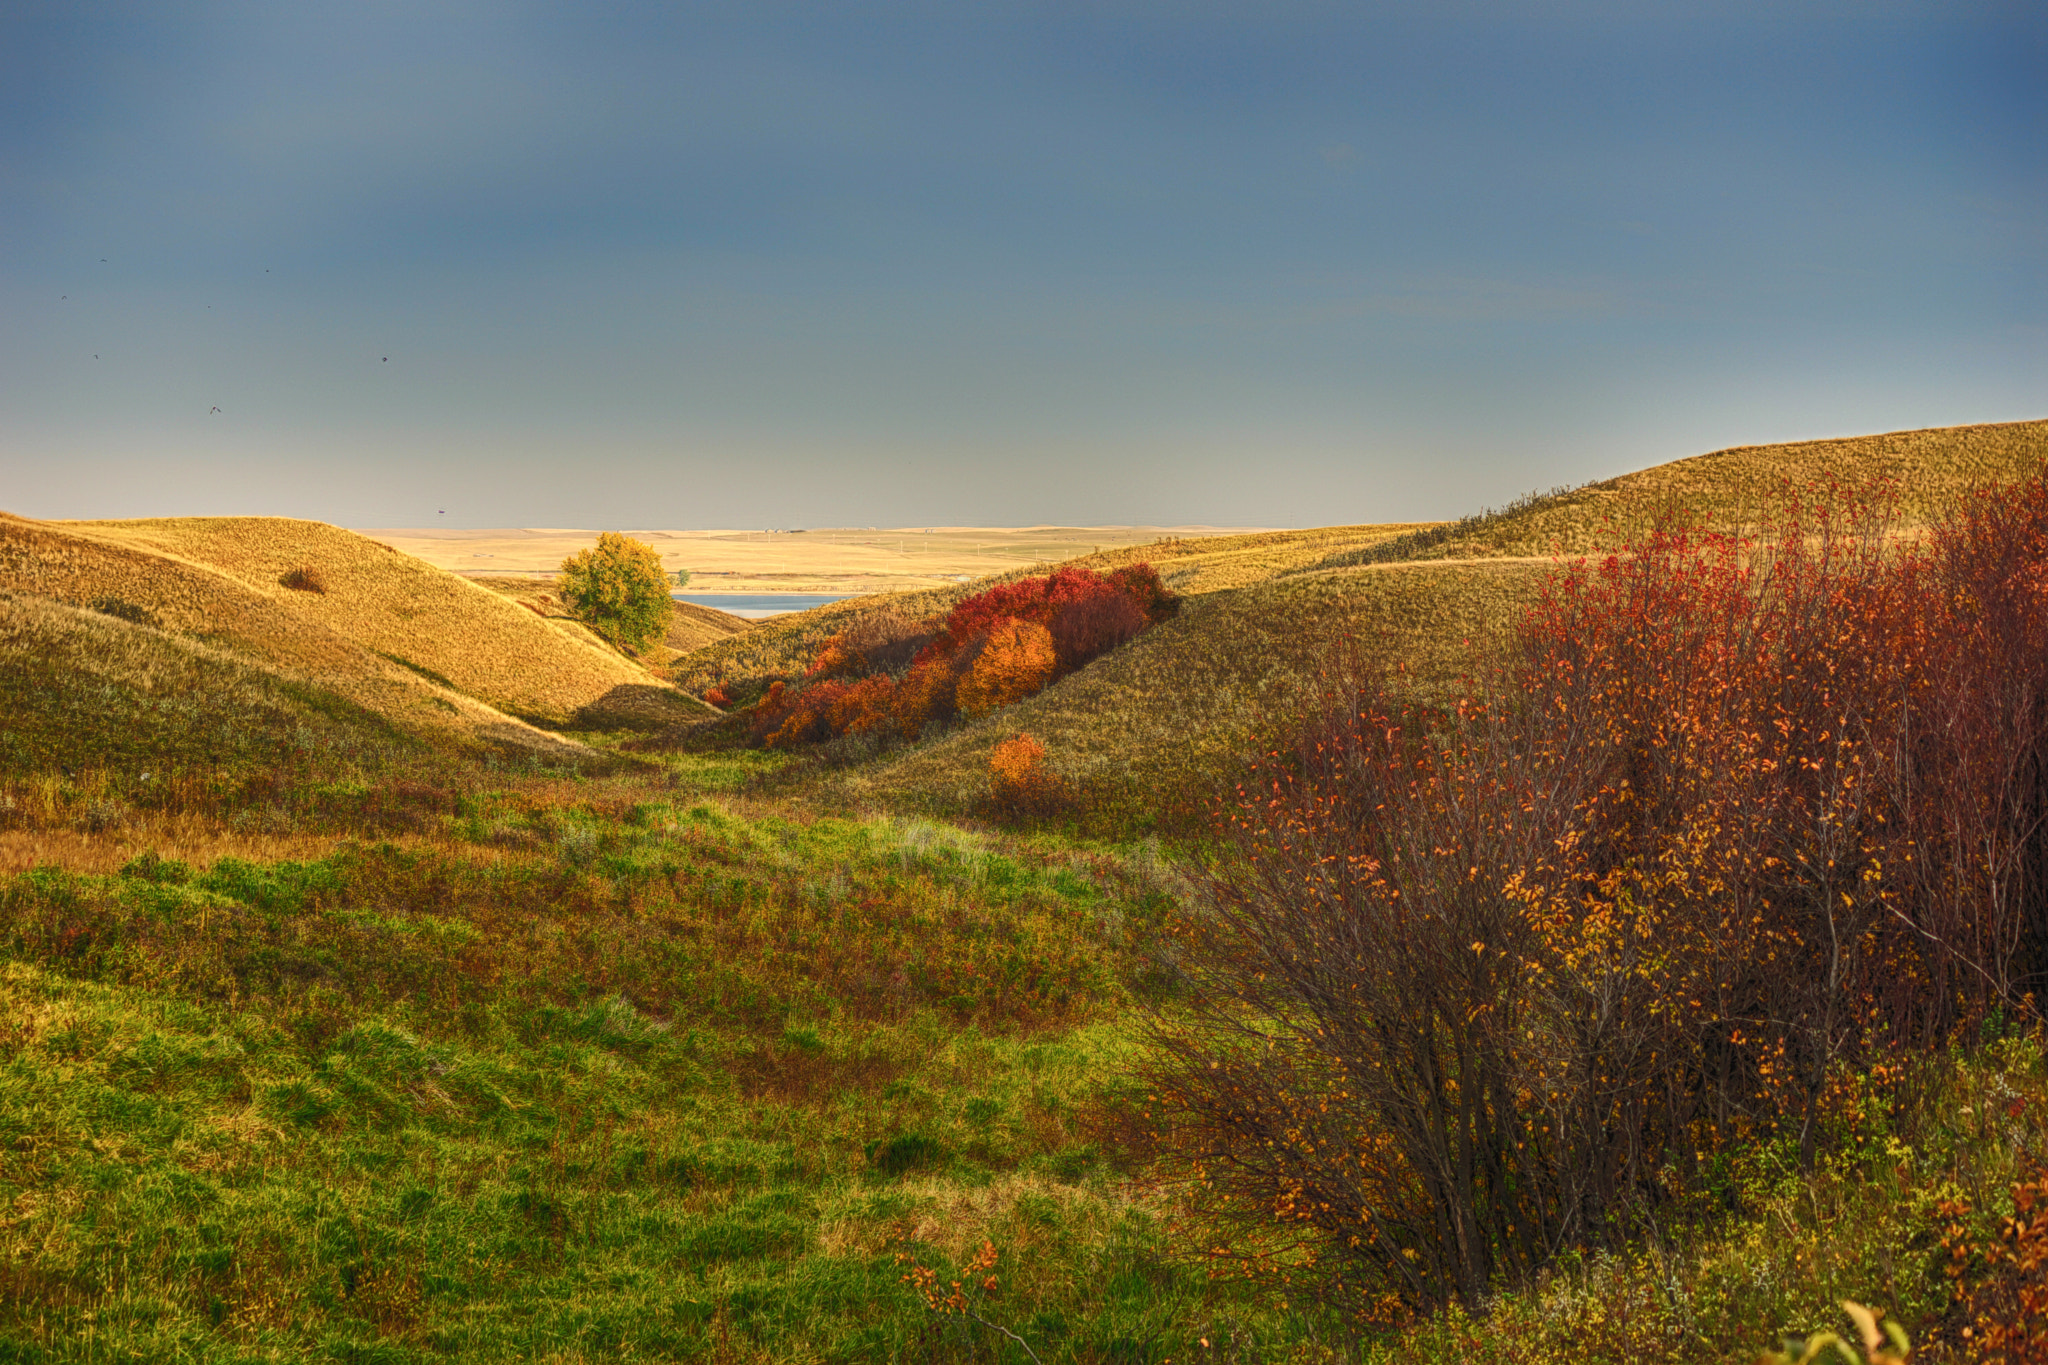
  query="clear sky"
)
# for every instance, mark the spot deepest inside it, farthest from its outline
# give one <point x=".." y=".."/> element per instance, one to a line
<point x="767" y="264"/>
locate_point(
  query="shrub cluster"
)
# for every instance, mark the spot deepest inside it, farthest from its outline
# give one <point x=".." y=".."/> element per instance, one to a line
<point x="1488" y="983"/>
<point x="894" y="677"/>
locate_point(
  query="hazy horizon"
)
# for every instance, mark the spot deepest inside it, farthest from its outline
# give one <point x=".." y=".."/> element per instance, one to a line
<point x="1125" y="263"/>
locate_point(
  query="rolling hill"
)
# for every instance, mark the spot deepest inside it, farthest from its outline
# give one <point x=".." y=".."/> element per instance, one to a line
<point x="1159" y="721"/>
<point x="393" y="638"/>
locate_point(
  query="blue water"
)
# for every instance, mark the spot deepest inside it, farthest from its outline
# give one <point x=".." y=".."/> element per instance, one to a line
<point x="755" y="605"/>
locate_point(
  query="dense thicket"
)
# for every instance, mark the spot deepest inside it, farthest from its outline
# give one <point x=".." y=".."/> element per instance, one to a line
<point x="896" y="677"/>
<point x="1485" y="984"/>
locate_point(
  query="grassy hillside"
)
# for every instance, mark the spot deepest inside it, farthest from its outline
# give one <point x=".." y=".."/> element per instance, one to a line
<point x="785" y="645"/>
<point x="81" y="689"/>
<point x="193" y="601"/>
<point x="1149" y="728"/>
<point x="648" y="1081"/>
<point x="419" y="1055"/>
<point x="589" y="1074"/>
<point x="398" y="638"/>
<point x="433" y="622"/>
<point x="1138" y="736"/>
<point x="1727" y="488"/>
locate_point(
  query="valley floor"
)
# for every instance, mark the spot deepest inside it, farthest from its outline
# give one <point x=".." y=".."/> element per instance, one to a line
<point x="645" y="1068"/>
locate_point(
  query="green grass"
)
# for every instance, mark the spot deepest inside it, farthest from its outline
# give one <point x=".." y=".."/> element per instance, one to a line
<point x="595" y="1078"/>
<point x="658" y="1081"/>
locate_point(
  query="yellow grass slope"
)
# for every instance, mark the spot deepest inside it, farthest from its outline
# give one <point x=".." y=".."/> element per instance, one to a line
<point x="433" y="654"/>
<point x="1156" y="722"/>
<point x="1162" y="718"/>
<point x="1729" y="488"/>
<point x="785" y="645"/>
<point x="80" y="690"/>
<point x="190" y="599"/>
<point x="432" y="622"/>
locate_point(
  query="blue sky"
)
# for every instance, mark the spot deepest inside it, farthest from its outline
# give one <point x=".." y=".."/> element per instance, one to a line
<point x="763" y="264"/>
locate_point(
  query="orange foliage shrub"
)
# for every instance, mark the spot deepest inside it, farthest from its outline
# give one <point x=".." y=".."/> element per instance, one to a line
<point x="2001" y="1286"/>
<point x="994" y="649"/>
<point x="869" y="704"/>
<point x="1018" y="781"/>
<point x="1016" y="660"/>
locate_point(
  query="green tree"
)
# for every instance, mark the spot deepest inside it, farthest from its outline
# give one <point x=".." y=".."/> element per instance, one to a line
<point x="618" y="589"/>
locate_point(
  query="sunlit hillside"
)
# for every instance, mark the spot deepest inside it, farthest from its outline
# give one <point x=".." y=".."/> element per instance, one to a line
<point x="423" y="649"/>
<point x="1146" y="730"/>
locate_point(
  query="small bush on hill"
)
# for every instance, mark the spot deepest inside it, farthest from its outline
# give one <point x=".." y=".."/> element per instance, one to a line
<point x="618" y="589"/>
<point x="1018" y="781"/>
<point x="304" y="579"/>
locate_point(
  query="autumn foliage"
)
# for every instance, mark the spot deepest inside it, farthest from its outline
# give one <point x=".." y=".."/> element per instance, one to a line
<point x="1494" y="981"/>
<point x="1018" y="780"/>
<point x="894" y="678"/>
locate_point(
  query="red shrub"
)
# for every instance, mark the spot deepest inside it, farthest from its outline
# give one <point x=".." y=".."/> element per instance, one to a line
<point x="1018" y="781"/>
<point x="1094" y="625"/>
<point x="1741" y="814"/>
<point x="995" y="648"/>
<point x="869" y="704"/>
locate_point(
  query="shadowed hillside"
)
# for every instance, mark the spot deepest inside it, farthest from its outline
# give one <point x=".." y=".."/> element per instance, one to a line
<point x="787" y="644"/>
<point x="81" y="688"/>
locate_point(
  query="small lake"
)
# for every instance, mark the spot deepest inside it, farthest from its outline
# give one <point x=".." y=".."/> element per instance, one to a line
<point x="755" y="605"/>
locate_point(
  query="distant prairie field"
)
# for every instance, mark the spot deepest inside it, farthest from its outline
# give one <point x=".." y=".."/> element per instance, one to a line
<point x="848" y="560"/>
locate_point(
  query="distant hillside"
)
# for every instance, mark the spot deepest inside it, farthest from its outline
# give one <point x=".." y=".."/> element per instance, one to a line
<point x="785" y="645"/>
<point x="1155" y="723"/>
<point x="1727" y="489"/>
<point x="420" y="648"/>
<point x="1160" y="720"/>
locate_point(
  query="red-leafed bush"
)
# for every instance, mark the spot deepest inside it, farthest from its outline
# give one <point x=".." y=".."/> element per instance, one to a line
<point x="993" y="649"/>
<point x="1094" y="625"/>
<point x="868" y="705"/>
<point x="1486" y="983"/>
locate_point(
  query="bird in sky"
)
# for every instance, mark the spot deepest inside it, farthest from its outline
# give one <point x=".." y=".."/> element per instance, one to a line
<point x="387" y="360"/>
<point x="209" y="414"/>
